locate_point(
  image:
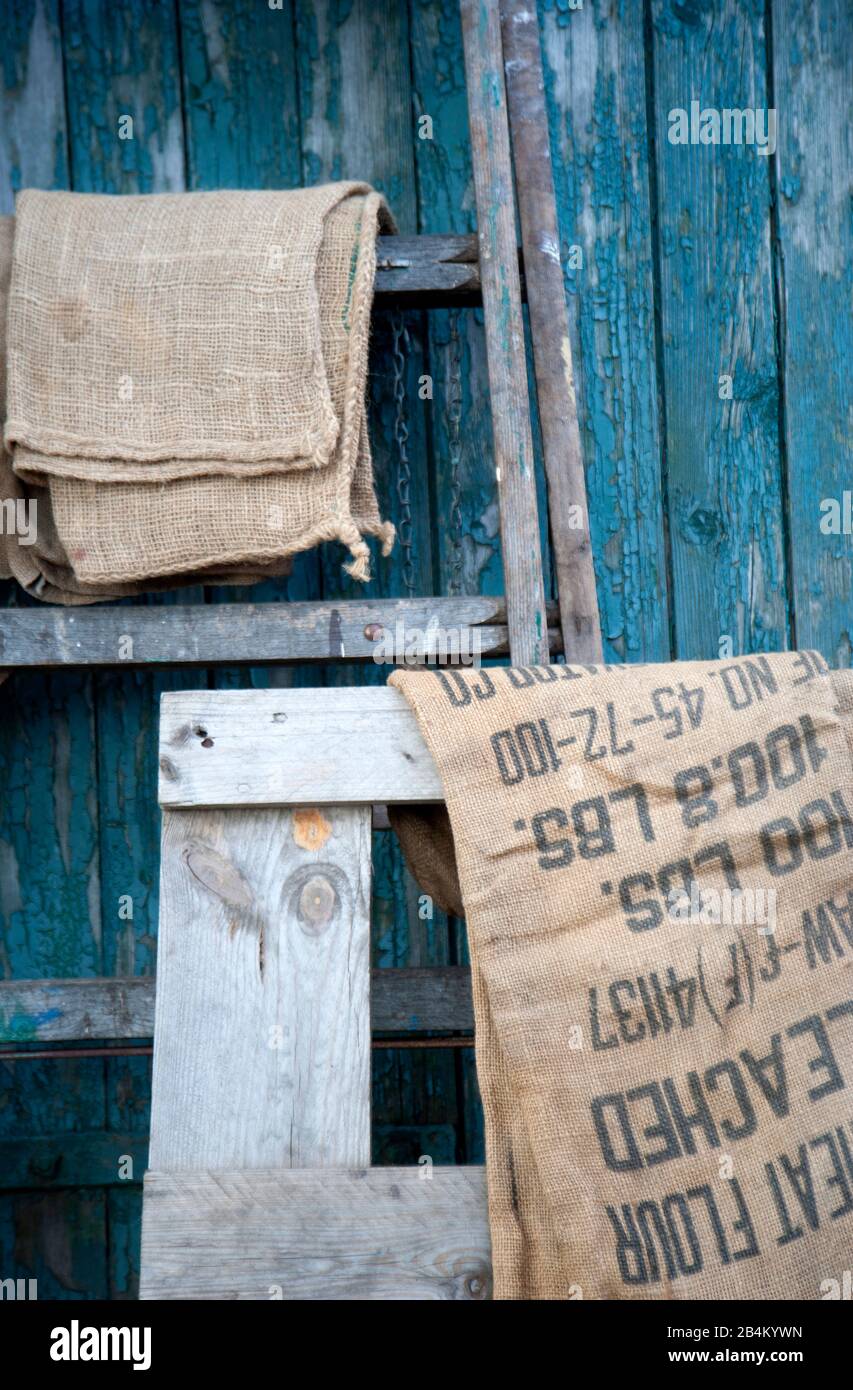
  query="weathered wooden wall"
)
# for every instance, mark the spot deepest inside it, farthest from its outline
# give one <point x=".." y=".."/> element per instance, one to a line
<point x="696" y="263"/>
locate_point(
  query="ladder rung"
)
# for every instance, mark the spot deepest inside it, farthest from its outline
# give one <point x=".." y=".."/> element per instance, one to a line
<point x="424" y="271"/>
<point x="246" y="634"/>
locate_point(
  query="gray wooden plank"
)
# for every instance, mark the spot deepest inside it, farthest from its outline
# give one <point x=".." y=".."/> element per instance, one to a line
<point x="432" y="998"/>
<point x="410" y="1000"/>
<point x="507" y="367"/>
<point x="311" y="747"/>
<point x="568" y="510"/>
<point x="385" y="1233"/>
<point x="66" y="1010"/>
<point x="239" y="633"/>
<point x="262" y="1023"/>
<point x="430" y="270"/>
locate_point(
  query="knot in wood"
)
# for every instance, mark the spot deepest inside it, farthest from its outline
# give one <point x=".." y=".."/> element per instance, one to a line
<point x="317" y="903"/>
<point x="477" y="1285"/>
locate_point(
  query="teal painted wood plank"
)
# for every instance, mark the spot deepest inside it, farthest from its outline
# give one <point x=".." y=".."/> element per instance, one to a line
<point x="33" y="143"/>
<point x="240" y="93"/>
<point x="123" y="62"/>
<point x="96" y="1159"/>
<point x="56" y="1238"/>
<point x="813" y="79"/>
<point x="124" y="1218"/>
<point x="724" y="474"/>
<point x="595" y="88"/>
<point x="466" y="545"/>
<point x="129" y="817"/>
<point x="48" y="829"/>
<point x="468" y="555"/>
<point x="50" y="920"/>
<point x="113" y="53"/>
<point x="355" y="97"/>
<point x="242" y="118"/>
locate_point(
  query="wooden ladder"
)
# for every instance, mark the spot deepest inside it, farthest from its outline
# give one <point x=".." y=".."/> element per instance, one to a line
<point x="259" y="1180"/>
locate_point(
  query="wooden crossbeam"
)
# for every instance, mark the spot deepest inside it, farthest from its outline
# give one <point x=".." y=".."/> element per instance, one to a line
<point x="241" y="634"/>
<point x="298" y="747"/>
<point x="384" y="1233"/>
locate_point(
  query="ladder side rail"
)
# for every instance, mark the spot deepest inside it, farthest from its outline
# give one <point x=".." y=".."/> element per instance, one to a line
<point x="568" y="512"/>
<point x="504" y="329"/>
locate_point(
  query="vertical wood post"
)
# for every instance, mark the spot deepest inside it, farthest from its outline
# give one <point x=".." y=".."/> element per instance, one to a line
<point x="262" y="1025"/>
<point x="552" y="353"/>
<point x="510" y="406"/>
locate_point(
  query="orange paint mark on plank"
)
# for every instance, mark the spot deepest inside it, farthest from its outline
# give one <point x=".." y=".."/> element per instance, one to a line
<point x="311" y="830"/>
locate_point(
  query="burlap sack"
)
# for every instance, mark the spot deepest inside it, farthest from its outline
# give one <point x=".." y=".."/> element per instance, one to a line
<point x="664" y="1049"/>
<point x="196" y="397"/>
<point x="30" y="549"/>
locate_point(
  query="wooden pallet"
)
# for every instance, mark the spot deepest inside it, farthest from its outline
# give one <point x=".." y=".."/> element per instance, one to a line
<point x="259" y="1181"/>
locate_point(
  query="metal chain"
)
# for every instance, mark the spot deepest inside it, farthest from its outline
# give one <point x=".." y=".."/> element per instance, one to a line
<point x="401" y="439"/>
<point x="454" y="449"/>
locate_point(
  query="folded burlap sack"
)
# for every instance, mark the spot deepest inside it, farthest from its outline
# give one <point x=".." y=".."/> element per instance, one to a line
<point x="187" y="377"/>
<point x="30" y="549"/>
<point x="662" y="968"/>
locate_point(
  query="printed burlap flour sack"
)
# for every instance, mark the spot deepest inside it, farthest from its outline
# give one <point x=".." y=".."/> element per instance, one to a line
<point x="655" y="864"/>
<point x="187" y="377"/>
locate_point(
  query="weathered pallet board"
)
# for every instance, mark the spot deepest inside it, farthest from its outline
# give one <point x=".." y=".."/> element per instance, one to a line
<point x="418" y="999"/>
<point x="247" y="748"/>
<point x="239" y="634"/>
<point x="262" y="1024"/>
<point x="387" y="1233"/>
